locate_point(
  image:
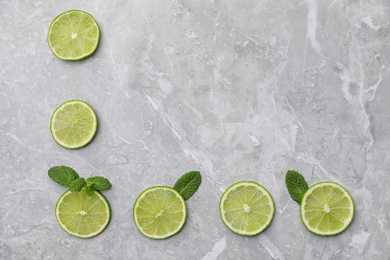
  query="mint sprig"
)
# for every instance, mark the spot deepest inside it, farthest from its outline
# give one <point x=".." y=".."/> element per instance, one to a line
<point x="89" y="190"/>
<point x="99" y="183"/>
<point x="68" y="177"/>
<point x="77" y="185"/>
<point x="188" y="184"/>
<point x="63" y="175"/>
<point x="296" y="185"/>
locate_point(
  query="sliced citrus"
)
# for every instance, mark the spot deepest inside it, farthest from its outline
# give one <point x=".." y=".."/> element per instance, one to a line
<point x="246" y="208"/>
<point x="81" y="215"/>
<point x="73" y="35"/>
<point x="73" y="124"/>
<point x="327" y="209"/>
<point x="159" y="212"/>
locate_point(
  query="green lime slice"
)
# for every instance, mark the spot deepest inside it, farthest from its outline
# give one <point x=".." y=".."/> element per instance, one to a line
<point x="81" y="215"/>
<point x="327" y="209"/>
<point x="159" y="212"/>
<point x="246" y="208"/>
<point x="73" y="124"/>
<point x="73" y="35"/>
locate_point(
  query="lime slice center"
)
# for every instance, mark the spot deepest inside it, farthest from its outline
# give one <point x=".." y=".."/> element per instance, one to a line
<point x="160" y="213"/>
<point x="82" y="213"/>
<point x="326" y="208"/>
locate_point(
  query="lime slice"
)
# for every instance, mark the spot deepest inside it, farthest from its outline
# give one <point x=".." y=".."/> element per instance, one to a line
<point x="81" y="215"/>
<point x="327" y="209"/>
<point x="73" y="124"/>
<point x="73" y="35"/>
<point x="246" y="208"/>
<point x="159" y="212"/>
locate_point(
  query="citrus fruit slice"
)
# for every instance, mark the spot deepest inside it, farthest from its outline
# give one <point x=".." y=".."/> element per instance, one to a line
<point x="159" y="212"/>
<point x="73" y="124"/>
<point x="327" y="209"/>
<point x="246" y="208"/>
<point x="81" y="215"/>
<point x="73" y="35"/>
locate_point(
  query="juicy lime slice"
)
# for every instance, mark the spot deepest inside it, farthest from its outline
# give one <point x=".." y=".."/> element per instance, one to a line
<point x="246" y="208"/>
<point x="73" y="124"/>
<point x="81" y="215"/>
<point x="159" y="212"/>
<point x="73" y="35"/>
<point x="327" y="209"/>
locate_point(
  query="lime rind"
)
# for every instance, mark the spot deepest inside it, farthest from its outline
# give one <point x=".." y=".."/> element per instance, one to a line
<point x="108" y="208"/>
<point x="137" y="203"/>
<point x="264" y="191"/>
<point x="85" y="55"/>
<point x="92" y="135"/>
<point x="346" y="223"/>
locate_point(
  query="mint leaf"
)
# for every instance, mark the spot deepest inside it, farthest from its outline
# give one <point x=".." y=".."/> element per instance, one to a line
<point x="63" y="175"/>
<point x="99" y="183"/>
<point x="296" y="185"/>
<point x="188" y="184"/>
<point x="89" y="190"/>
<point x="77" y="185"/>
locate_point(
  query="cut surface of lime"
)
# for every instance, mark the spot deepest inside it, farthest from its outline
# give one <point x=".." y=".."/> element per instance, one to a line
<point x="81" y="215"/>
<point x="246" y="208"/>
<point x="73" y="124"/>
<point x="159" y="212"/>
<point x="327" y="209"/>
<point x="73" y="35"/>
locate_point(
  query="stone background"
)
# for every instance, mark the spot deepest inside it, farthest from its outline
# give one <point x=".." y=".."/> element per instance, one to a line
<point x="239" y="90"/>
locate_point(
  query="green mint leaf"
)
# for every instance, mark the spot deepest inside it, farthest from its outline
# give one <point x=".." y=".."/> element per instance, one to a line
<point x="63" y="175"/>
<point x="188" y="184"/>
<point x="89" y="190"/>
<point x="296" y="185"/>
<point x="99" y="183"/>
<point x="77" y="185"/>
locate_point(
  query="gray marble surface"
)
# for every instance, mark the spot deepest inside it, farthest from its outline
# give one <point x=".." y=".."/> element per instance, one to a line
<point x="239" y="90"/>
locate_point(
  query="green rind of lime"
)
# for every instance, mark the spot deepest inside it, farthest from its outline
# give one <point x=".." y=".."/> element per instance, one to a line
<point x="73" y="35"/>
<point x="331" y="212"/>
<point x="241" y="209"/>
<point x="78" y="214"/>
<point x="150" y="212"/>
<point x="88" y="130"/>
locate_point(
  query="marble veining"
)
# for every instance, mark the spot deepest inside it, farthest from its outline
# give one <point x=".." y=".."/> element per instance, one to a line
<point x="239" y="90"/>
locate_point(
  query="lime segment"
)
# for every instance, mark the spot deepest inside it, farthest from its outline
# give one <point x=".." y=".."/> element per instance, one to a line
<point x="246" y="208"/>
<point x="73" y="124"/>
<point x="159" y="212"/>
<point x="327" y="209"/>
<point x="73" y="35"/>
<point x="81" y="215"/>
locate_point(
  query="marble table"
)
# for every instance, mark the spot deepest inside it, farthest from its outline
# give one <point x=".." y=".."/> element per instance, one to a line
<point x="238" y="90"/>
